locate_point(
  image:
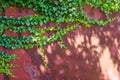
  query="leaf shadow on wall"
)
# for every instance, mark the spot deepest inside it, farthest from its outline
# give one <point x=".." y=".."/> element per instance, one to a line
<point x="90" y="55"/>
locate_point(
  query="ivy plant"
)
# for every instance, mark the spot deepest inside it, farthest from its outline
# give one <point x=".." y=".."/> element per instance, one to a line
<point x="57" y="11"/>
<point x="4" y="65"/>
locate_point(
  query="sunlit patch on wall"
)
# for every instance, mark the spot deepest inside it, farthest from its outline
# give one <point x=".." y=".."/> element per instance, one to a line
<point x="95" y="41"/>
<point x="68" y="53"/>
<point x="58" y="60"/>
<point x="49" y="49"/>
<point x="43" y="69"/>
<point x="78" y="40"/>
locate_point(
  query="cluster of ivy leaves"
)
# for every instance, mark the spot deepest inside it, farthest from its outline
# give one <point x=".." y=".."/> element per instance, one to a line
<point x="57" y="11"/>
<point x="4" y="66"/>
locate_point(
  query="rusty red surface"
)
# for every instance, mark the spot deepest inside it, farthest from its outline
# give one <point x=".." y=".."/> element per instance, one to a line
<point x="1" y="76"/>
<point x="10" y="33"/>
<point x="18" y="12"/>
<point x="81" y="59"/>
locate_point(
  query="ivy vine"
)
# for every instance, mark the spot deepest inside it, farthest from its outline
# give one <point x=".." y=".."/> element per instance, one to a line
<point x="57" y="11"/>
<point x="4" y="65"/>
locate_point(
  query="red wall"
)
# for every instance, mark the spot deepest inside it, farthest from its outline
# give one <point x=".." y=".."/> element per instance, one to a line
<point x="81" y="61"/>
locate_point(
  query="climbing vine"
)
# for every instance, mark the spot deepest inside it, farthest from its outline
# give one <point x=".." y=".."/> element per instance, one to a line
<point x="57" y="11"/>
<point x="4" y="66"/>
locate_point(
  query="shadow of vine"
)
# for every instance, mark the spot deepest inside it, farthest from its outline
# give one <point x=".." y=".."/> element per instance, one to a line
<point x="91" y="54"/>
